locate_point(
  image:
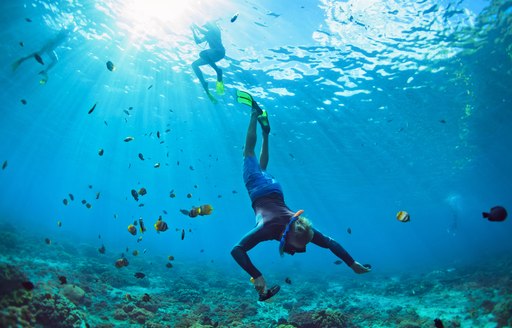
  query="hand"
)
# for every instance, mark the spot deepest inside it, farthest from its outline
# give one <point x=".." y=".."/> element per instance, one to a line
<point x="260" y="285"/>
<point x="359" y="268"/>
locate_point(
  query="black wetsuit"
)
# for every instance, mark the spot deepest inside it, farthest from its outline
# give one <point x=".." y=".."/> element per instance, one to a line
<point x="273" y="215"/>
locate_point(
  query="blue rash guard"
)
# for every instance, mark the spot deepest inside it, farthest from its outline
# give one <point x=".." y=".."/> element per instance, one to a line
<point x="272" y="216"/>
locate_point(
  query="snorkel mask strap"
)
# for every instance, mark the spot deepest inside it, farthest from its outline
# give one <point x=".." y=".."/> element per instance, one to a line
<point x="282" y="242"/>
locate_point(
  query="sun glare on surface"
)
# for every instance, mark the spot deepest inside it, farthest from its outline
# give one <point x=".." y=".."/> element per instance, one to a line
<point x="157" y="17"/>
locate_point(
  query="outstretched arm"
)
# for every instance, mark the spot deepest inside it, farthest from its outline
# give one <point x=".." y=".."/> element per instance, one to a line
<point x="239" y="252"/>
<point x="327" y="242"/>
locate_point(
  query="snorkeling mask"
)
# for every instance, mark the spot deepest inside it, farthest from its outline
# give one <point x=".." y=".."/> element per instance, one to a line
<point x="282" y="242"/>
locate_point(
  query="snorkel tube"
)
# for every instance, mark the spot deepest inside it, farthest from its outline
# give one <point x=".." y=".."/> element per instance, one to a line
<point x="282" y="242"/>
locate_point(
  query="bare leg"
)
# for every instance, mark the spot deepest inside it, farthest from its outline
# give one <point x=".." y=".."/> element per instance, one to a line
<point x="218" y="71"/>
<point x="250" y="139"/>
<point x="199" y="74"/>
<point x="17" y="63"/>
<point x="264" y="152"/>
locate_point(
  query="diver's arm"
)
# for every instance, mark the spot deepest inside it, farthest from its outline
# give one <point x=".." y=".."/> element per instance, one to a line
<point x="327" y="242"/>
<point x="195" y="30"/>
<point x="239" y="252"/>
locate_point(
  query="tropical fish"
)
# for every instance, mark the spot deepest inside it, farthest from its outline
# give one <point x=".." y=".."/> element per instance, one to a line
<point x="496" y="214"/>
<point x="403" y="216"/>
<point x="100" y="151"/>
<point x="23" y="101"/>
<point x="201" y="210"/>
<point x="349" y="230"/>
<point x="189" y="195"/>
<point x="185" y="212"/>
<point x="48" y="241"/>
<point x="172" y="194"/>
<point x="233" y="19"/>
<point x="160" y="225"/>
<point x="150" y="86"/>
<point x="63" y="280"/>
<point x="71" y="197"/>
<point x="135" y="195"/>
<point x="135" y="253"/>
<point x="102" y="249"/>
<point x="28" y="285"/>
<point x="141" y="156"/>
<point x="338" y="262"/>
<point x="4" y="165"/>
<point x="170" y="258"/>
<point x="142" y="227"/>
<point x="182" y="234"/>
<point x="39" y="59"/>
<point x="128" y="139"/>
<point x="288" y="280"/>
<point x="65" y="201"/>
<point x="59" y="224"/>
<point x="122" y="262"/>
<point x="132" y="229"/>
<point x="168" y="265"/>
<point x="142" y="191"/>
<point x="139" y="275"/>
<point x="92" y="109"/>
<point x="110" y="66"/>
<point x="157" y="165"/>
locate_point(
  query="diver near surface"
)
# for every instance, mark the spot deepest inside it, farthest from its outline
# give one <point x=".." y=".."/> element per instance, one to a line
<point x="47" y="49"/>
<point x="274" y="220"/>
<point x="209" y="33"/>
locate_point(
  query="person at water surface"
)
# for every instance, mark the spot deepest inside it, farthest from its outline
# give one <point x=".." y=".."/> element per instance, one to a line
<point x="209" y="33"/>
<point x="46" y="51"/>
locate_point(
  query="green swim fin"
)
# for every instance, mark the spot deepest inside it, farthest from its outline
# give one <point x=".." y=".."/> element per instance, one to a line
<point x="244" y="98"/>
<point x="220" y="88"/>
<point x="263" y="119"/>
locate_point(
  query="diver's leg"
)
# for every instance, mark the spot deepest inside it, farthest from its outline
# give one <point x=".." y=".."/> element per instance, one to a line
<point x="264" y="151"/>
<point x="17" y="63"/>
<point x="54" y="60"/>
<point x="250" y="139"/>
<point x="199" y="74"/>
<point x="218" y="71"/>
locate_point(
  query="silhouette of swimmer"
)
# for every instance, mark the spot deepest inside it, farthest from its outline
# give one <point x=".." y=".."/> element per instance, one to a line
<point x="47" y="49"/>
<point x="209" y="33"/>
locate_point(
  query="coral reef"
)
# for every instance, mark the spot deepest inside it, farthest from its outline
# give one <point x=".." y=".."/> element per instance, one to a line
<point x="99" y="295"/>
<point x="327" y="318"/>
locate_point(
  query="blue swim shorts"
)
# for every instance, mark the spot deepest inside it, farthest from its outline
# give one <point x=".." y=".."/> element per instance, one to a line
<point x="258" y="182"/>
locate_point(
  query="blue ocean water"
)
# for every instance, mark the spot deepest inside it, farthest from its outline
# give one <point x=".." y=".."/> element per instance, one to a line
<point x="375" y="107"/>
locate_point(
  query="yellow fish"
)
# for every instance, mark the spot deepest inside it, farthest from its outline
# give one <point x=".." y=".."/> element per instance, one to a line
<point x="403" y="216"/>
